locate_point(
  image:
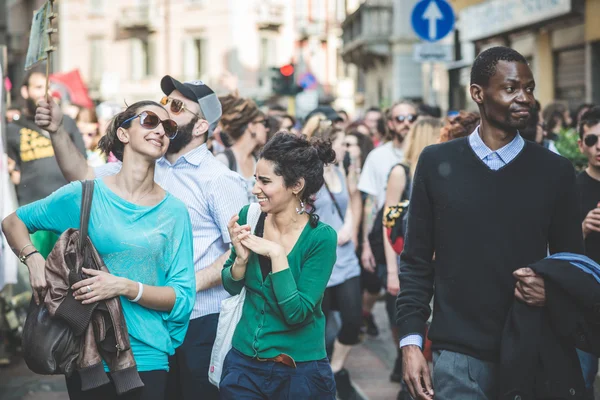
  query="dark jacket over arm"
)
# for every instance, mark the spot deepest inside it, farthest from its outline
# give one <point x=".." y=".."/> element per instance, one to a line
<point x="538" y="356"/>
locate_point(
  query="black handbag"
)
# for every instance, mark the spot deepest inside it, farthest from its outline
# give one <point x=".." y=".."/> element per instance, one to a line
<point x="50" y="347"/>
<point x="384" y="214"/>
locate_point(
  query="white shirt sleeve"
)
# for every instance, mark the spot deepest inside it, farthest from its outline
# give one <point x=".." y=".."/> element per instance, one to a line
<point x="368" y="180"/>
<point x="412" y="340"/>
<point x="107" y="169"/>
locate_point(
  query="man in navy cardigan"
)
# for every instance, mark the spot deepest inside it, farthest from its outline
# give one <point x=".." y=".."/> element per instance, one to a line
<point x="487" y="206"/>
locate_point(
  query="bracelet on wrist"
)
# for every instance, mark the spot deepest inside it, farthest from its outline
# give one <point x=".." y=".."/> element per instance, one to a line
<point x="24" y="258"/>
<point x="23" y="248"/>
<point x="140" y="292"/>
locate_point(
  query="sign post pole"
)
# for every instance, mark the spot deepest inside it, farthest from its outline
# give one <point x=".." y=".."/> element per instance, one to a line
<point x="51" y="16"/>
<point x="432" y="20"/>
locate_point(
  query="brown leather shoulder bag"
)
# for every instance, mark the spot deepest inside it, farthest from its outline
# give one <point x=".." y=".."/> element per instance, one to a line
<point x="50" y="347"/>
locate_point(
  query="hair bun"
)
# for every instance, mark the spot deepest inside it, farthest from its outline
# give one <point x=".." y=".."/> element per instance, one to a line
<point x="324" y="151"/>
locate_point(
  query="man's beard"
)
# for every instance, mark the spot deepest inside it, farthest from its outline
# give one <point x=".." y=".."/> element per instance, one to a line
<point x="30" y="105"/>
<point x="401" y="135"/>
<point x="183" y="138"/>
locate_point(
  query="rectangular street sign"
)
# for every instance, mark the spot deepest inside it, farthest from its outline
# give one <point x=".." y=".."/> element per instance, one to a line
<point x="433" y="52"/>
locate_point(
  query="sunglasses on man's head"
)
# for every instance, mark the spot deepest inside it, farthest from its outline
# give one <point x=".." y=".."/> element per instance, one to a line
<point x="177" y="106"/>
<point x="590" y="140"/>
<point x="410" y="118"/>
<point x="150" y="120"/>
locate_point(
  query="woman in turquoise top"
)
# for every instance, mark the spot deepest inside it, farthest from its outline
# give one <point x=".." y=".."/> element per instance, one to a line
<point x="143" y="234"/>
<point x="279" y="344"/>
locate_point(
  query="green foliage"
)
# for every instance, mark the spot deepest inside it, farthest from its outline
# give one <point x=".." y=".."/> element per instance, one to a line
<point x="567" y="147"/>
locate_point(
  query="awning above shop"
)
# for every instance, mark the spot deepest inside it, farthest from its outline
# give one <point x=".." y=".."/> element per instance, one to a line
<point x="495" y="17"/>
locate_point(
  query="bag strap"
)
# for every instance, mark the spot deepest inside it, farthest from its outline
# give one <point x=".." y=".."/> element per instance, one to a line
<point x="232" y="163"/>
<point x="87" y="193"/>
<point x="335" y="203"/>
<point x="253" y="216"/>
<point x="408" y="184"/>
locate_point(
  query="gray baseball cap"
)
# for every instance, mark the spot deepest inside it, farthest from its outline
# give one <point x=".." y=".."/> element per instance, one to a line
<point x="199" y="92"/>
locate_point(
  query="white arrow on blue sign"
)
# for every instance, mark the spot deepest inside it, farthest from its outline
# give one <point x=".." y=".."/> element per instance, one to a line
<point x="432" y="20"/>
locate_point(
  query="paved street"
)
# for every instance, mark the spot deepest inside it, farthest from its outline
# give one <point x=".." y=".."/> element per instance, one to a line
<point x="369" y="364"/>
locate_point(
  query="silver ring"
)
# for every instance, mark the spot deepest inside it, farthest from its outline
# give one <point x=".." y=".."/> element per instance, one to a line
<point x="89" y="289"/>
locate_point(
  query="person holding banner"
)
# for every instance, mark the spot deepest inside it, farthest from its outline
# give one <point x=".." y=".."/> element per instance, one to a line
<point x="31" y="149"/>
<point x="142" y="233"/>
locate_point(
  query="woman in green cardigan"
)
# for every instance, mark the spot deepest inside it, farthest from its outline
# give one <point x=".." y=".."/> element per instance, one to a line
<point x="279" y="344"/>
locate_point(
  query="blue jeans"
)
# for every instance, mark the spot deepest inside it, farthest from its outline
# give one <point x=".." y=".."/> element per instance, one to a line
<point x="188" y="373"/>
<point x="246" y="378"/>
<point x="458" y="376"/>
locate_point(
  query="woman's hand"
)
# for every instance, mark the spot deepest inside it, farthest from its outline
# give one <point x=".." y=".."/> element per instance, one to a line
<point x="48" y="116"/>
<point x="100" y="286"/>
<point x="37" y="277"/>
<point x="262" y="246"/>
<point x="345" y="234"/>
<point x="237" y="233"/>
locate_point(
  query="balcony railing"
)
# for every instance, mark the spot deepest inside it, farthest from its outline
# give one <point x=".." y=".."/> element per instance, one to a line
<point x="366" y="33"/>
<point x="270" y="14"/>
<point x="138" y="18"/>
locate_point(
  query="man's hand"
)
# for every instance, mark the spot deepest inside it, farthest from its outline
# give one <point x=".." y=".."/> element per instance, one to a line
<point x="591" y="223"/>
<point x="530" y="287"/>
<point x="367" y="257"/>
<point x="393" y="284"/>
<point x="48" y="116"/>
<point x="416" y="373"/>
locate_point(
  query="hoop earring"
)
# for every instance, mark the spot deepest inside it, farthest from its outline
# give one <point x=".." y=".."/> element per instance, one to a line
<point x="302" y="208"/>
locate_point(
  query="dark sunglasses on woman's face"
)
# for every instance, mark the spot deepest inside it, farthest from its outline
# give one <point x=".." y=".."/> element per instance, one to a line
<point x="590" y="140"/>
<point x="410" y="118"/>
<point x="177" y="106"/>
<point x="150" y="120"/>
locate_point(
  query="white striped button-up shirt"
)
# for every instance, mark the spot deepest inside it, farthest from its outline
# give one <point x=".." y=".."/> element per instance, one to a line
<point x="494" y="160"/>
<point x="212" y="194"/>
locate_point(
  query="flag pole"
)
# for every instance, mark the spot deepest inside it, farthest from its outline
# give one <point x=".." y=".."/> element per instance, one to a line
<point x="51" y="16"/>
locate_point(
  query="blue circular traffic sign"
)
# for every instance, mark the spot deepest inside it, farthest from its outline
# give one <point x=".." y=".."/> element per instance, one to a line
<point x="432" y="20"/>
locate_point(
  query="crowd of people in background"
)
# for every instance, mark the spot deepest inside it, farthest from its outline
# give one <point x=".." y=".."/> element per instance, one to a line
<point x="367" y="165"/>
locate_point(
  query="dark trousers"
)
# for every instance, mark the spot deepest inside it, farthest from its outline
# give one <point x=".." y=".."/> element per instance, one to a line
<point x="247" y="378"/>
<point x="346" y="298"/>
<point x="155" y="383"/>
<point x="188" y="374"/>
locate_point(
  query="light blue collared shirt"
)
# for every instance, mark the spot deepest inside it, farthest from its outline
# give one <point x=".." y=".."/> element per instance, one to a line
<point x="494" y="160"/>
<point x="499" y="158"/>
<point x="213" y="194"/>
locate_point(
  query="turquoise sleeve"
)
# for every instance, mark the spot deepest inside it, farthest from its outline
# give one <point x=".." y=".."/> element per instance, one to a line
<point x="181" y="277"/>
<point x="56" y="213"/>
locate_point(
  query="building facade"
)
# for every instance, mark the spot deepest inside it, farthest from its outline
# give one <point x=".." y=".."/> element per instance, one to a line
<point x="123" y="48"/>
<point x="378" y="41"/>
<point x="559" y="38"/>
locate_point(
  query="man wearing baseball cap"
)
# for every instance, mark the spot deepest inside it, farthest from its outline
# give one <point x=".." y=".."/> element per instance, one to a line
<point x="212" y="193"/>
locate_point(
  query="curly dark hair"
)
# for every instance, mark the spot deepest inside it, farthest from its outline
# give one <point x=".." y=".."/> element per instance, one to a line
<point x="110" y="142"/>
<point x="462" y="125"/>
<point x="295" y="158"/>
<point x="484" y="66"/>
<point x="238" y="112"/>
